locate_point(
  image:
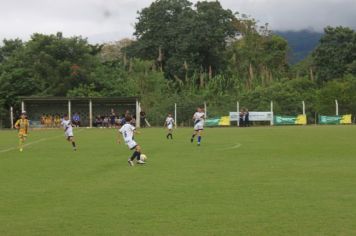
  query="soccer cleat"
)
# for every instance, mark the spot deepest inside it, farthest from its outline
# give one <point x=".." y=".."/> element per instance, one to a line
<point x="130" y="162"/>
<point x="191" y="140"/>
<point x="74" y="149"/>
<point x="141" y="162"/>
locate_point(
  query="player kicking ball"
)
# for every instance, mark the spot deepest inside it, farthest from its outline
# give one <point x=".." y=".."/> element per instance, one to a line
<point x="198" y="119"/>
<point x="128" y="131"/>
<point x="68" y="131"/>
<point x="169" y="123"/>
<point x="22" y="125"/>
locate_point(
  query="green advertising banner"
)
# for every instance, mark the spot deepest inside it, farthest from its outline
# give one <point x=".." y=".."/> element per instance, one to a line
<point x="335" y="120"/>
<point x="290" y="120"/>
<point x="212" y="122"/>
<point x="222" y="121"/>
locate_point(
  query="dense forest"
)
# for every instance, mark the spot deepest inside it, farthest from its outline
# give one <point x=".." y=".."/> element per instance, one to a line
<point x="186" y="53"/>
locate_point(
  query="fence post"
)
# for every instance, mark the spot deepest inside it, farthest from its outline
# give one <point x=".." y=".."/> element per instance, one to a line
<point x="22" y="106"/>
<point x="238" y="113"/>
<point x="138" y="123"/>
<point x="12" y="117"/>
<point x="272" y="113"/>
<point x="90" y="113"/>
<point x="303" y="107"/>
<point x="205" y="110"/>
<point x="337" y="107"/>
<point x="175" y="115"/>
<point x="70" y="109"/>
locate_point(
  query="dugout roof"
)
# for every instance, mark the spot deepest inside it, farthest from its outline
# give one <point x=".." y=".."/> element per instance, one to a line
<point x="94" y="99"/>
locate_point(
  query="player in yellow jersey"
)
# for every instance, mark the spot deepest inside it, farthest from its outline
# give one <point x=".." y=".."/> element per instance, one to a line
<point x="57" y="121"/>
<point x="22" y="126"/>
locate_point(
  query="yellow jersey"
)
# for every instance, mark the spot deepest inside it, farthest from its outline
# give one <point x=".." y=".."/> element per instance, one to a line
<point x="22" y="125"/>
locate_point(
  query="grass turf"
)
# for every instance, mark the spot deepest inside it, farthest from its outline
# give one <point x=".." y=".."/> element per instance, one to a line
<point x="253" y="181"/>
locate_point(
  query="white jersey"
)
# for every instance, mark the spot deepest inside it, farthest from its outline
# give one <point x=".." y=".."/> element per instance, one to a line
<point x="127" y="131"/>
<point x="170" y="122"/>
<point x="199" y="120"/>
<point x="68" y="128"/>
<point x="199" y="117"/>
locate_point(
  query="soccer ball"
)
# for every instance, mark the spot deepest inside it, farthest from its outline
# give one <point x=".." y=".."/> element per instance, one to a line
<point x="143" y="157"/>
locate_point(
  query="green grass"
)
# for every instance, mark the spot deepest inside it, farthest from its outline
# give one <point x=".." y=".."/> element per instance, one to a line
<point x="256" y="181"/>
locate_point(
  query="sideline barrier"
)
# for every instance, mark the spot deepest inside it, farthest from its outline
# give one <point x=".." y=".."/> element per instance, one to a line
<point x="254" y="116"/>
<point x="222" y="121"/>
<point x="290" y="120"/>
<point x="335" y="120"/>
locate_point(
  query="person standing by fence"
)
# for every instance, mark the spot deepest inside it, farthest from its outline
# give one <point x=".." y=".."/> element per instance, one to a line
<point x="241" y="118"/>
<point x="143" y="118"/>
<point x="76" y="119"/>
<point x="246" y="118"/>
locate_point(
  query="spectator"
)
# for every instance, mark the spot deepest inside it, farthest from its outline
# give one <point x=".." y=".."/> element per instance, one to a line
<point x="112" y="118"/>
<point x="76" y="119"/>
<point x="133" y="121"/>
<point x="241" y="118"/>
<point x="57" y="120"/>
<point x="122" y="119"/>
<point x="43" y="120"/>
<point x="98" y="121"/>
<point x="143" y="118"/>
<point x="246" y="118"/>
<point x="106" y="121"/>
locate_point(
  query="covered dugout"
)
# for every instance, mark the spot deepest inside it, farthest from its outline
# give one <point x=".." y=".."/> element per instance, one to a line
<point x="87" y="108"/>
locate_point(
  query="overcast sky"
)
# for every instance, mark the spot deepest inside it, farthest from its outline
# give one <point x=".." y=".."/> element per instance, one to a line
<point x="111" y="20"/>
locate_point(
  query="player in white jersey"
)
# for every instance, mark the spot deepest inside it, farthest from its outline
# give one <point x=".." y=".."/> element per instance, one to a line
<point x="198" y="119"/>
<point x="128" y="131"/>
<point x="169" y="123"/>
<point x="68" y="131"/>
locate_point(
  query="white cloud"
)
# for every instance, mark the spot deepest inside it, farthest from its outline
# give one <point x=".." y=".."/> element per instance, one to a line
<point x="114" y="19"/>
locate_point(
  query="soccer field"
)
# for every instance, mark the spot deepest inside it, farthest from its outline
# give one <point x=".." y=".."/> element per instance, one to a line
<point x="251" y="181"/>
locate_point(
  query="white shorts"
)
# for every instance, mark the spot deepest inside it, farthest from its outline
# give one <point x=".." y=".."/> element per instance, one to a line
<point x="131" y="143"/>
<point x="68" y="134"/>
<point x="170" y="126"/>
<point x="199" y="126"/>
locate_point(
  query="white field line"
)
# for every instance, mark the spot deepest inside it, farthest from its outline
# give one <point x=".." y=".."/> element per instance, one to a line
<point x="237" y="145"/>
<point x="34" y="142"/>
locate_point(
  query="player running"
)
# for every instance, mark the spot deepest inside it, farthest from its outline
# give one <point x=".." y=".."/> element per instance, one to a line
<point x="198" y="118"/>
<point x="169" y="123"/>
<point x="128" y="131"/>
<point x="22" y="125"/>
<point x="68" y="130"/>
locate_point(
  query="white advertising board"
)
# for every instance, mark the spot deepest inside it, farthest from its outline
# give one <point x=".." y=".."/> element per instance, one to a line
<point x="254" y="116"/>
<point x="260" y="116"/>
<point x="234" y="116"/>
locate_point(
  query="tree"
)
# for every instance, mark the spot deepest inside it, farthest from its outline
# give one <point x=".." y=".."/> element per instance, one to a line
<point x="257" y="58"/>
<point x="181" y="39"/>
<point x="335" y="55"/>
